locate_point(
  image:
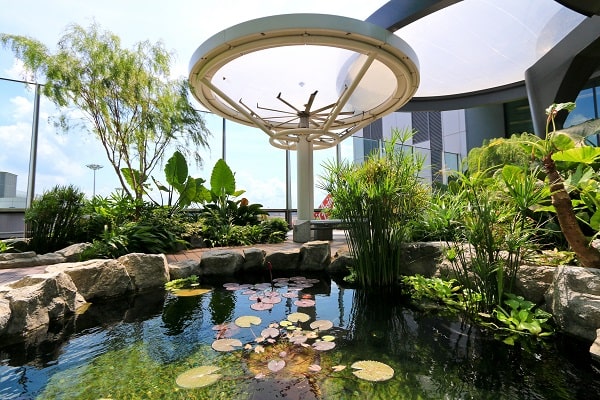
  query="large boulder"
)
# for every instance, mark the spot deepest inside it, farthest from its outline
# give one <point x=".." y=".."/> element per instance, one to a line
<point x="36" y="300"/>
<point x="73" y="252"/>
<point x="284" y="261"/>
<point x="29" y="259"/>
<point x="422" y="258"/>
<point x="254" y="260"/>
<point x="315" y="256"/>
<point x="576" y="300"/>
<point x="532" y="282"/>
<point x="147" y="271"/>
<point x="5" y="313"/>
<point x="340" y="265"/>
<point x="97" y="278"/>
<point x="221" y="263"/>
<point x="184" y="269"/>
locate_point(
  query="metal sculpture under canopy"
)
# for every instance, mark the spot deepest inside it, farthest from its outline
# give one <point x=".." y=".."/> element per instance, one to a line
<point x="307" y="80"/>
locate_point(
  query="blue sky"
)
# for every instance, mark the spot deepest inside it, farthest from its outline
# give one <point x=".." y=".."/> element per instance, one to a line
<point x="182" y="26"/>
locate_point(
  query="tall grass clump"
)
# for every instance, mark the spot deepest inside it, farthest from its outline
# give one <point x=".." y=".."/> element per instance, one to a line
<point x="54" y="219"/>
<point x="494" y="233"/>
<point x="377" y="200"/>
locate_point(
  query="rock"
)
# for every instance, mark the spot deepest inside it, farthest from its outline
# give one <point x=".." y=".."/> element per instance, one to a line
<point x="38" y="299"/>
<point x="340" y="265"/>
<point x="184" y="269"/>
<point x="73" y="252"/>
<point x="595" y="347"/>
<point x="147" y="271"/>
<point x="315" y="256"/>
<point x="576" y="301"/>
<point x="97" y="278"/>
<point x="283" y="261"/>
<point x="532" y="282"/>
<point x="17" y="256"/>
<point x="423" y="258"/>
<point x="29" y="259"/>
<point x="221" y="262"/>
<point x="5" y="314"/>
<point x="254" y="260"/>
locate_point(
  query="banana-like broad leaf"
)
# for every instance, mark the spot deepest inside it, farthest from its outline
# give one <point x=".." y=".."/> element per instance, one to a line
<point x="562" y="142"/>
<point x="129" y="175"/>
<point x="176" y="170"/>
<point x="585" y="155"/>
<point x="222" y="179"/>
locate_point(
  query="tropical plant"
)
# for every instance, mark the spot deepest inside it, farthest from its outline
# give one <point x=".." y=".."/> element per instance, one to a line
<point x="559" y="147"/>
<point x="54" y="220"/>
<point x="377" y="201"/>
<point x="439" y="219"/>
<point x="5" y="247"/>
<point x="521" y="317"/>
<point x="499" y="152"/>
<point x="445" y="291"/>
<point x="190" y="190"/>
<point x="491" y="240"/>
<point x="127" y="98"/>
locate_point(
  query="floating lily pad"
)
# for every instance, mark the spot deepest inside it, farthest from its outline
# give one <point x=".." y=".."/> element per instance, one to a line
<point x="305" y="303"/>
<point x="298" y="317"/>
<point x="321" y="324"/>
<point x="249" y="292"/>
<point x="261" y="306"/>
<point x="314" y="368"/>
<point x="189" y="292"/>
<point x="290" y="295"/>
<point x="328" y="338"/>
<point x="285" y="323"/>
<point x="323" y="346"/>
<point x="198" y="377"/>
<point x="281" y="279"/>
<point x="262" y="286"/>
<point x="272" y="300"/>
<point x="270" y="332"/>
<point x="226" y="344"/>
<point x="338" y="368"/>
<point x="276" y="365"/>
<point x="297" y="339"/>
<point x="373" y="371"/>
<point x="247" y="320"/>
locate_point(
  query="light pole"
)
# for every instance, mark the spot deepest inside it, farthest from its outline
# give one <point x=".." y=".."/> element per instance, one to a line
<point x="94" y="167"/>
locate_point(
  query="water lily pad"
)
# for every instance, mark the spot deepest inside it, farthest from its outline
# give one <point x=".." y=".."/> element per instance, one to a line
<point x="189" y="292"/>
<point x="321" y="324"/>
<point x="305" y="303"/>
<point x="298" y="317"/>
<point x="247" y="320"/>
<point x="328" y="338"/>
<point x="314" y="368"/>
<point x="226" y="344"/>
<point x="285" y="323"/>
<point x="373" y="371"/>
<point x="323" y="346"/>
<point x="261" y="306"/>
<point x="272" y="300"/>
<point x="276" y="365"/>
<point x="338" y="368"/>
<point x="297" y="339"/>
<point x="262" y="286"/>
<point x="290" y="295"/>
<point x="270" y="332"/>
<point x="198" y="377"/>
<point x="281" y="279"/>
<point x="249" y="292"/>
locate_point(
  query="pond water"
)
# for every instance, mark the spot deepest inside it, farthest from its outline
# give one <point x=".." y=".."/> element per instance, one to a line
<point x="137" y="348"/>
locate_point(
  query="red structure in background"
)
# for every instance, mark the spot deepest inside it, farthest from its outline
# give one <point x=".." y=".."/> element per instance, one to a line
<point x="326" y="203"/>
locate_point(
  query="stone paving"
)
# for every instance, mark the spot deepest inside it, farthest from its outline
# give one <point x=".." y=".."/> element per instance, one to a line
<point x="338" y="243"/>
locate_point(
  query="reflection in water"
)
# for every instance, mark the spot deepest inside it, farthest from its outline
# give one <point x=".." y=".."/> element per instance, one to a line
<point x="151" y="340"/>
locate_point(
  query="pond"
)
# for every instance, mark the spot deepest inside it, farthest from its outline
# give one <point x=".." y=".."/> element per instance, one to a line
<point x="139" y="348"/>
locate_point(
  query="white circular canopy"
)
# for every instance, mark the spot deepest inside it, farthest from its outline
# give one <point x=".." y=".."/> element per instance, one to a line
<point x="319" y="76"/>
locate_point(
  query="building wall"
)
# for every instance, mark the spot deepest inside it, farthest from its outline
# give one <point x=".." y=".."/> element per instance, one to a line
<point x="484" y="123"/>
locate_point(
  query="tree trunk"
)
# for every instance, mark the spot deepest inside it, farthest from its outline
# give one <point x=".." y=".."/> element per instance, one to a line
<point x="587" y="255"/>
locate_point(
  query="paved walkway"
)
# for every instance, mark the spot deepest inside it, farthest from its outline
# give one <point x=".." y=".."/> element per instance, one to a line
<point x="338" y="242"/>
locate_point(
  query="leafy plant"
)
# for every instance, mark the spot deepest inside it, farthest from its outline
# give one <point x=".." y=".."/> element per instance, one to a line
<point x="54" y="220"/>
<point x="182" y="283"/>
<point x="5" y="247"/>
<point x="437" y="289"/>
<point x="377" y="200"/>
<point x="521" y="318"/>
<point x="190" y="190"/>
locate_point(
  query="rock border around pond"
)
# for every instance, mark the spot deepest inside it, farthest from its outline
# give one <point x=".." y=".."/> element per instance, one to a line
<point x="30" y="304"/>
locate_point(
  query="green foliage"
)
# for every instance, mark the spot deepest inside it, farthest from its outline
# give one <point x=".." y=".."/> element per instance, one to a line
<point x="5" y="247"/>
<point x="378" y="200"/>
<point x="437" y="289"/>
<point x="183" y="283"/>
<point x="127" y="97"/>
<point x="273" y="230"/>
<point x="493" y="155"/>
<point x="54" y="219"/>
<point x="521" y="318"/>
<point x="491" y="240"/>
<point x="190" y="190"/>
<point x="439" y="219"/>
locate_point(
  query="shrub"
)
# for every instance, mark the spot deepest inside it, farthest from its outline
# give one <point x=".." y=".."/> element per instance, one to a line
<point x="54" y="220"/>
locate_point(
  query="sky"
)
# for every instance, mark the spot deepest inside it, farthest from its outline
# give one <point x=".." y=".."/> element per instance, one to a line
<point x="181" y="25"/>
